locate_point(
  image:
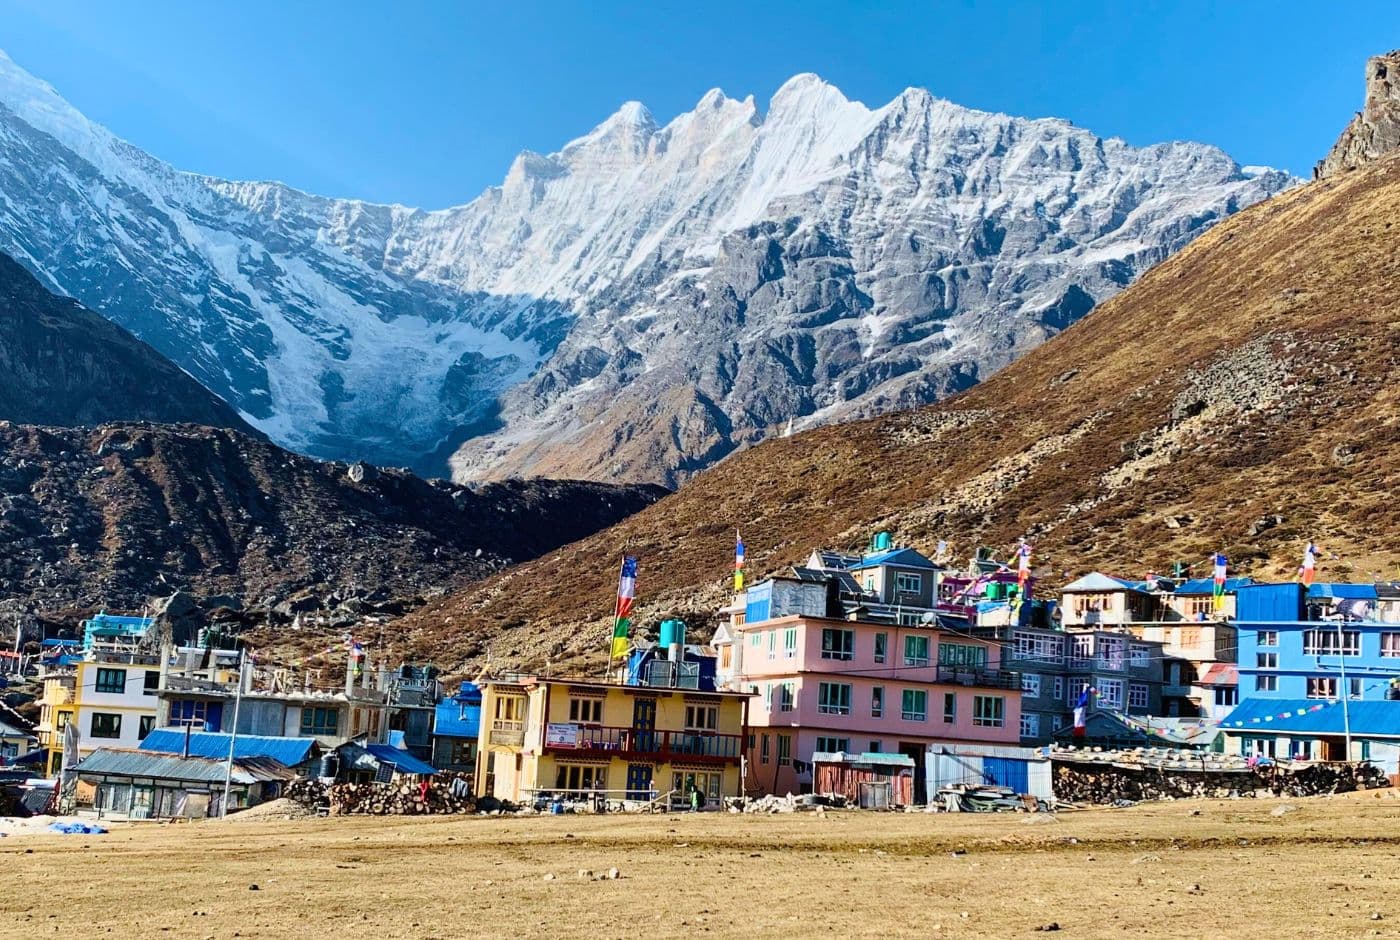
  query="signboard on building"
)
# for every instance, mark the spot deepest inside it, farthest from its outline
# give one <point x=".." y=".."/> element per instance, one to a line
<point x="561" y="735"/>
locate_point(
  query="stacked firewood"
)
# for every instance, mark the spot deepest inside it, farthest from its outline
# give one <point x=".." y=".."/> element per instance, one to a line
<point x="1108" y="783"/>
<point x="449" y="794"/>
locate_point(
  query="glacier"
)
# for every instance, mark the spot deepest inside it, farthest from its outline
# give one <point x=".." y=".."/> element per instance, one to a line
<point x="635" y="305"/>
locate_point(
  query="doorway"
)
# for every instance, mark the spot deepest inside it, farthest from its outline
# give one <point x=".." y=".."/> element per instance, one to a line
<point x="644" y="725"/>
<point x="917" y="751"/>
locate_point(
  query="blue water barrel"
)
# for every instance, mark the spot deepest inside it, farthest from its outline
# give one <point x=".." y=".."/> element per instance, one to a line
<point x="672" y="631"/>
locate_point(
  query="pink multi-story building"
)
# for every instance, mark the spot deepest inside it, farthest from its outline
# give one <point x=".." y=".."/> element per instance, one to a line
<point x="827" y="684"/>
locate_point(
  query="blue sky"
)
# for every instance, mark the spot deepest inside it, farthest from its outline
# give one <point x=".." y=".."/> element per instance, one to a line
<point x="426" y="103"/>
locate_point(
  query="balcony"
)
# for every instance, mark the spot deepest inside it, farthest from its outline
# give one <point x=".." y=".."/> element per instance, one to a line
<point x="639" y="744"/>
<point x="507" y="733"/>
<point x="982" y="678"/>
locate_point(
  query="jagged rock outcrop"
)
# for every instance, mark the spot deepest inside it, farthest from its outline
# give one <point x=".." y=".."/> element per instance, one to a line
<point x="61" y="364"/>
<point x="636" y="305"/>
<point x="121" y="513"/>
<point x="1375" y="130"/>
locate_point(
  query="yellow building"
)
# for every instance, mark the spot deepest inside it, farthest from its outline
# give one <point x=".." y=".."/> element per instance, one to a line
<point x="112" y="700"/>
<point x="592" y="740"/>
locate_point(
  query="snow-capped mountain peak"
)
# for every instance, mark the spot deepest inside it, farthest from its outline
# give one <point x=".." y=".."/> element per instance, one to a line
<point x="637" y="303"/>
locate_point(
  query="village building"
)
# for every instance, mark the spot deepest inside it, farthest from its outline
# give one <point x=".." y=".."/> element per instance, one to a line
<point x="143" y="784"/>
<point x="373" y="762"/>
<point x="848" y="658"/>
<point x="1319" y="675"/>
<point x="456" y="730"/>
<point x="16" y="739"/>
<point x="592" y="740"/>
<point x="299" y="754"/>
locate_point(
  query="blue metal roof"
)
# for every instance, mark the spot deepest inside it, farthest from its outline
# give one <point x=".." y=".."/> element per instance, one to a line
<point x="402" y="760"/>
<point x="1341" y="590"/>
<point x="457" y="719"/>
<point x="289" y="751"/>
<point x="1207" y="585"/>
<point x="1294" y="716"/>
<point x="906" y="557"/>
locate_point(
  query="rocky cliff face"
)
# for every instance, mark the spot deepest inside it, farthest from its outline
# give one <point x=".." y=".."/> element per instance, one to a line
<point x="61" y="364"/>
<point x="1375" y="130"/>
<point x="635" y="305"/>
<point x="113" y="515"/>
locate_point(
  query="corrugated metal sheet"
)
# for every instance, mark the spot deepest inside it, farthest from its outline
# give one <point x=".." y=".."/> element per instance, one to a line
<point x="1379" y="718"/>
<point x="904" y="557"/>
<point x="1207" y="585"/>
<point x="116" y="762"/>
<point x="370" y="756"/>
<point x="1342" y="590"/>
<point x="758" y="601"/>
<point x="288" y="751"/>
<point x="1265" y="603"/>
<point x="454" y="719"/>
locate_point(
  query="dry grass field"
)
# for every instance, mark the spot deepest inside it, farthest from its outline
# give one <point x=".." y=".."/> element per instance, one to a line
<point x="1331" y="868"/>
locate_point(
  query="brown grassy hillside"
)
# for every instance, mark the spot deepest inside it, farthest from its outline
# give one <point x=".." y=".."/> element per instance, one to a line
<point x="1250" y="376"/>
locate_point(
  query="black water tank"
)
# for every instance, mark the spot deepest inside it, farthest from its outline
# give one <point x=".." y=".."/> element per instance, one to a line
<point x="330" y="766"/>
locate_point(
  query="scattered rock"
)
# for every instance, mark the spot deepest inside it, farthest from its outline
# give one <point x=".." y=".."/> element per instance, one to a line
<point x="1283" y="809"/>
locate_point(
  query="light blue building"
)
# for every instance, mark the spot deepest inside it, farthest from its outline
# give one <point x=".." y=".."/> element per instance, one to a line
<point x="1319" y="673"/>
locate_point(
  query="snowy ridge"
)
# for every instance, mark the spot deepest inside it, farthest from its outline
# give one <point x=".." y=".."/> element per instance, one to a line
<point x="637" y="304"/>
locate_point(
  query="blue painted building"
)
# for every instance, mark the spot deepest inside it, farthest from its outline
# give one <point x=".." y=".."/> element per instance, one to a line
<point x="456" y="727"/>
<point x="1316" y="668"/>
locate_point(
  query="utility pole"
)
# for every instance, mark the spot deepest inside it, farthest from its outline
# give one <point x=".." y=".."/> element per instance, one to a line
<point x="1344" y="690"/>
<point x="233" y="736"/>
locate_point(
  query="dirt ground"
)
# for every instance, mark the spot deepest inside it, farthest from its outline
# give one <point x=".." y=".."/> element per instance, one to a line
<point x="1330" y="867"/>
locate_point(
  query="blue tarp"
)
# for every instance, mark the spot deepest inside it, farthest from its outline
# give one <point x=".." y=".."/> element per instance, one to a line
<point x="214" y="746"/>
<point x="1288" y="716"/>
<point x="78" y="829"/>
<point x="402" y="760"/>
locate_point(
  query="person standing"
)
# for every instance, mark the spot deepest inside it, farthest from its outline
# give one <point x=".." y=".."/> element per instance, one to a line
<point x="694" y="798"/>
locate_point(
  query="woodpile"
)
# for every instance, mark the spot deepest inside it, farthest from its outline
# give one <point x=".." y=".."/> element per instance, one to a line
<point x="447" y="794"/>
<point x="1107" y="782"/>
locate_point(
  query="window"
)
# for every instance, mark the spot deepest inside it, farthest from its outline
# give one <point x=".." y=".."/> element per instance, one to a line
<point x="988" y="711"/>
<point x="772" y="644"/>
<point x="1268" y="638"/>
<point x="950" y="707"/>
<point x="877" y="747"/>
<point x="914" y="705"/>
<point x="784" y="750"/>
<point x="1139" y="656"/>
<point x="1322" y="687"/>
<point x="1092" y="603"/>
<point x="1030" y="725"/>
<point x="707" y="782"/>
<point x="1137" y="695"/>
<point x="756" y="638"/>
<point x="577" y="777"/>
<point x="1266" y="683"/>
<point x="882" y="642"/>
<point x="1030" y="684"/>
<point x="588" y="711"/>
<point x="906" y="583"/>
<point x="910" y="620"/>
<point x="877" y="702"/>
<point x="916" y="651"/>
<point x="1354" y="688"/>
<point x="1083" y="648"/>
<point x="763" y="751"/>
<point x="1112" y="650"/>
<point x="833" y="745"/>
<point x="790" y="642"/>
<point x="701" y="717"/>
<point x="1227" y="695"/>
<point x="1260" y="747"/>
<point x="787" y="696"/>
<point x="961" y="654"/>
<point x="1390" y="644"/>
<point x="509" y="708"/>
<point x="111" y="680"/>
<point x="838" y="644"/>
<point x="151" y="684"/>
<point x="1302" y="749"/>
<point x="1045" y="649"/>
<point x="1111" y="693"/>
<point x="189" y="713"/>
<point x="325" y="722"/>
<point x="1058" y="688"/>
<point x="106" y="725"/>
<point x="1331" y="642"/>
<point x="834" y="698"/>
<point x="148" y="724"/>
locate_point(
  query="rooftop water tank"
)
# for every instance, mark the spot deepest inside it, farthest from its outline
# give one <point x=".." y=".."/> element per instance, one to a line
<point x="881" y="542"/>
<point x="673" y="633"/>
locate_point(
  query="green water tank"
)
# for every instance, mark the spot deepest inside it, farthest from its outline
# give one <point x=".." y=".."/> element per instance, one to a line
<point x="673" y="632"/>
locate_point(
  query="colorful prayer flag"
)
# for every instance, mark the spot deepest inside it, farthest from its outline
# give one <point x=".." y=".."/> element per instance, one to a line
<point x="1081" y="712"/>
<point x="626" y="596"/>
<point x="1023" y="567"/>
<point x="1309" y="569"/>
<point x="1222" y="565"/>
<point x="738" y="561"/>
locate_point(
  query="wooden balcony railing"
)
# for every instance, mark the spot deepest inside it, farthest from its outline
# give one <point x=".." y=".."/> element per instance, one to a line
<point x="703" y="746"/>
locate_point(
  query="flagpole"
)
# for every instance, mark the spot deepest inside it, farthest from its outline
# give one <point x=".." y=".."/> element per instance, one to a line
<point x="617" y="606"/>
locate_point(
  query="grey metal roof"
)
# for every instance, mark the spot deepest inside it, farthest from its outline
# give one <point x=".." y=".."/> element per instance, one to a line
<point x="121" y="762"/>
